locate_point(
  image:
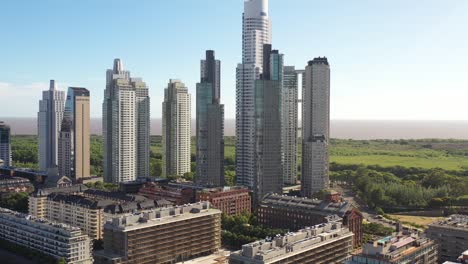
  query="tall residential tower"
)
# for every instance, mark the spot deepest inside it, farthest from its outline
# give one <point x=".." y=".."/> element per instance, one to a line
<point x="49" y="122"/>
<point x="126" y="126"/>
<point x="74" y="141"/>
<point x="5" y="144"/>
<point x="176" y="129"/>
<point x="315" y="126"/>
<point x="268" y="166"/>
<point x="289" y="124"/>
<point x="210" y="125"/>
<point x="256" y="31"/>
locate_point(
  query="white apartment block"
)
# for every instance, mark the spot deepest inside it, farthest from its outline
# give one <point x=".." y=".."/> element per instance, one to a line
<point x="320" y="244"/>
<point x="176" y="129"/>
<point x="58" y="240"/>
<point x="126" y="122"/>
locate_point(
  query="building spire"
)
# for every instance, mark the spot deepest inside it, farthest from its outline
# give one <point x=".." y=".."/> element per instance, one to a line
<point x="52" y="85"/>
<point x="118" y="66"/>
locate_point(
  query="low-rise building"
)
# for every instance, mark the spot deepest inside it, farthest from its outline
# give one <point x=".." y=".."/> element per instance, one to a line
<point x="86" y="209"/>
<point x="37" y="201"/>
<point x="79" y="211"/>
<point x="58" y="240"/>
<point x="321" y="244"/>
<point x="451" y="234"/>
<point x="399" y="249"/>
<point x="174" y="194"/>
<point x="36" y="177"/>
<point x="463" y="259"/>
<point x="163" y="235"/>
<point x="230" y="200"/>
<point x="294" y="213"/>
<point x="9" y="185"/>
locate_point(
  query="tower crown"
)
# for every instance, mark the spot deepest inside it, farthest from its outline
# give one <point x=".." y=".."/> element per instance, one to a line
<point x="118" y="65"/>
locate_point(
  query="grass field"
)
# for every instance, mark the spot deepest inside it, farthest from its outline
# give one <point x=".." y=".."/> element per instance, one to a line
<point x="445" y="154"/>
<point x="428" y="154"/>
<point x="419" y="220"/>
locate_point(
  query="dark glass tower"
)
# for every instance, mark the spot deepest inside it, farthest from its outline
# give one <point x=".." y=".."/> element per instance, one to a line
<point x="210" y="124"/>
<point x="268" y="160"/>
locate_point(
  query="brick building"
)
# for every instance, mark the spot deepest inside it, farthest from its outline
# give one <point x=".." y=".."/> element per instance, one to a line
<point x="230" y="200"/>
<point x="294" y="213"/>
<point x="173" y="194"/>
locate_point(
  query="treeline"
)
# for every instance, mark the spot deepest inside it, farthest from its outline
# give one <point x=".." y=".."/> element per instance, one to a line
<point x="393" y="187"/>
<point x="16" y="202"/>
<point x="243" y="229"/>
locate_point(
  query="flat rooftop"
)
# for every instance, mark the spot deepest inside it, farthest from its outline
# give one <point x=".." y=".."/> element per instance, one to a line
<point x="41" y="221"/>
<point x="160" y="216"/>
<point x="454" y="221"/>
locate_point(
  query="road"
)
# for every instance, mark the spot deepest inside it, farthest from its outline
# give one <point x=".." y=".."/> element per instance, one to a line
<point x="368" y="214"/>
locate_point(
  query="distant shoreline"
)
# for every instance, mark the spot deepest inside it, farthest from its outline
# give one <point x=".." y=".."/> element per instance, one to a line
<point x="343" y="129"/>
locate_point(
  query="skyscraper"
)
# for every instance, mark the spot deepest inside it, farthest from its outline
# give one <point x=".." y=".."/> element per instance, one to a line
<point x="315" y="126"/>
<point x="176" y="129"/>
<point x="256" y="31"/>
<point x="5" y="144"/>
<point x="48" y="125"/>
<point x="268" y="115"/>
<point x="210" y="124"/>
<point x="289" y="125"/>
<point x="126" y="126"/>
<point x="74" y="141"/>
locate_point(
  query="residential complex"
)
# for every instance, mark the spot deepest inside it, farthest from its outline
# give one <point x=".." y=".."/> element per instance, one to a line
<point x="49" y="122"/>
<point x="5" y="144"/>
<point x="210" y="124"/>
<point x="230" y="200"/>
<point x="268" y="159"/>
<point x="320" y="244"/>
<point x="256" y="31"/>
<point x="289" y="126"/>
<point x="58" y="240"/>
<point x="176" y="131"/>
<point x="79" y="211"/>
<point x="451" y="234"/>
<point x="164" y="235"/>
<point x="315" y="126"/>
<point x="74" y="141"/>
<point x="126" y="126"/>
<point x="400" y="249"/>
<point x="86" y="208"/>
<point x="9" y="185"/>
<point x="293" y="213"/>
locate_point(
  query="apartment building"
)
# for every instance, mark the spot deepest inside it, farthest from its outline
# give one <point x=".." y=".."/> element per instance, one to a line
<point x="294" y="213"/>
<point x="321" y="244"/>
<point x="451" y="234"/>
<point x="58" y="240"/>
<point x="230" y="200"/>
<point x="399" y="249"/>
<point x="163" y="235"/>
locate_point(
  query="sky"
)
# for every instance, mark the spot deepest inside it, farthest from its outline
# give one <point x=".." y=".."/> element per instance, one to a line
<point x="390" y="59"/>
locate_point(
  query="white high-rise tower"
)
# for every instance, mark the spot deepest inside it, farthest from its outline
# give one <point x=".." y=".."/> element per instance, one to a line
<point x="256" y="31"/>
<point x="176" y="129"/>
<point x="49" y="122"/>
<point x="126" y="126"/>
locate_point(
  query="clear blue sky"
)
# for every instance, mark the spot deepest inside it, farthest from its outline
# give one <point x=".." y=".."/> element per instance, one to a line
<point x="390" y="59"/>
